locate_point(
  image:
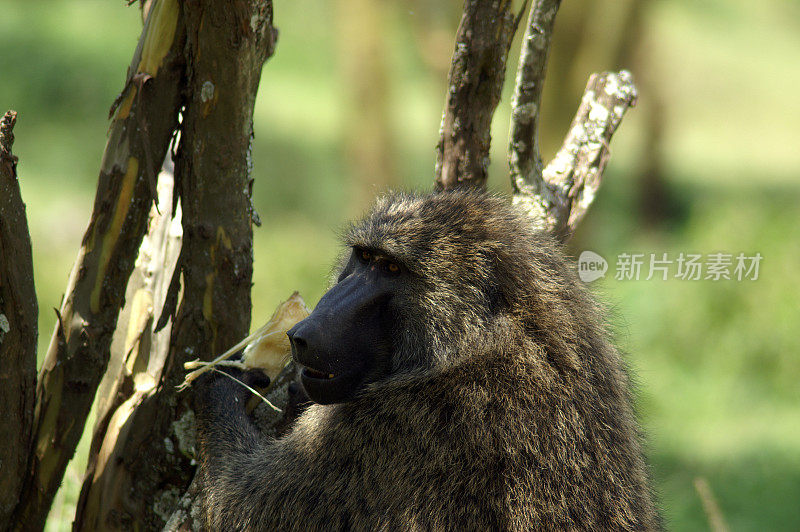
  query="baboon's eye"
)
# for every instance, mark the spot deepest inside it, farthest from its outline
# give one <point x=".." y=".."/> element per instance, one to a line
<point x="364" y="255"/>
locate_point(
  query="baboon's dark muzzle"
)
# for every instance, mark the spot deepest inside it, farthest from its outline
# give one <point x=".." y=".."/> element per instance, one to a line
<point x="338" y="344"/>
<point x="326" y="341"/>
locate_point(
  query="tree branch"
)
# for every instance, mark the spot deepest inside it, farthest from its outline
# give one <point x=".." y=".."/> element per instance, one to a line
<point x="144" y="118"/>
<point x="523" y="149"/>
<point x="475" y="82"/>
<point x="18" y="329"/>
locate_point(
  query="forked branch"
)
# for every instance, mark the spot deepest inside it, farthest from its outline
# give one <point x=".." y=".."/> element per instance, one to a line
<point x="558" y="195"/>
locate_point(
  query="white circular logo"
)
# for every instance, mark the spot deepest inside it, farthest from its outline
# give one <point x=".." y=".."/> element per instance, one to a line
<point x="591" y="266"/>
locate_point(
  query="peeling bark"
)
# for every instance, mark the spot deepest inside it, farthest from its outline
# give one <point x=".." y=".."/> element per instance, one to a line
<point x="18" y="329"/>
<point x="143" y="120"/>
<point x="475" y="82"/>
<point x="138" y="354"/>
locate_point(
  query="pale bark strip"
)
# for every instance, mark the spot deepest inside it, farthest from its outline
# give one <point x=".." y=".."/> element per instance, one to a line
<point x="523" y="150"/>
<point x="227" y="44"/>
<point x="138" y="355"/>
<point x="570" y="181"/>
<point x="475" y="82"/>
<point x="144" y="118"/>
<point x="18" y="329"/>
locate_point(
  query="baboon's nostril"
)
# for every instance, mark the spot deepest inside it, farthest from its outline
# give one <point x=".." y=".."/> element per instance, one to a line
<point x="299" y="344"/>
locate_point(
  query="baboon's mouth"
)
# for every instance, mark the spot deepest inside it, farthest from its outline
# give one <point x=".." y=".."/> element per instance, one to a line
<point x="314" y="374"/>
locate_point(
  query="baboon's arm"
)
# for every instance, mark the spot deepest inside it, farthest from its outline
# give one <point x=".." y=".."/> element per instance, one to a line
<point x="239" y="466"/>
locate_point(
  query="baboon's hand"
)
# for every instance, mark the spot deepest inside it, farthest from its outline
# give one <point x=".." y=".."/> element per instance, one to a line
<point x="216" y="391"/>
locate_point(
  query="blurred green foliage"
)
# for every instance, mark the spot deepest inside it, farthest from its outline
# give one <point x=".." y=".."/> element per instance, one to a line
<point x="716" y="363"/>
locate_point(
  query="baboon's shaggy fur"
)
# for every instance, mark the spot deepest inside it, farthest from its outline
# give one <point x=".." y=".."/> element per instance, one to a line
<point x="507" y="407"/>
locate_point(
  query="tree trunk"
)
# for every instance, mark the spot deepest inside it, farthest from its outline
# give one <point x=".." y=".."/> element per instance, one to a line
<point x="18" y="328"/>
<point x="145" y="461"/>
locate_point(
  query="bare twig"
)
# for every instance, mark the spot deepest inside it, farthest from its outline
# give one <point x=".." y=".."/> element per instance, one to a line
<point x="475" y="82"/>
<point x="250" y="389"/>
<point x="18" y="328"/>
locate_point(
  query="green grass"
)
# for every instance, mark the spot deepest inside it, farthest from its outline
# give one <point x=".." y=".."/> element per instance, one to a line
<point x="716" y="364"/>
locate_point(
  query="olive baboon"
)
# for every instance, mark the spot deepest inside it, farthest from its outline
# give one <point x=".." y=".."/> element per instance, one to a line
<point x="464" y="381"/>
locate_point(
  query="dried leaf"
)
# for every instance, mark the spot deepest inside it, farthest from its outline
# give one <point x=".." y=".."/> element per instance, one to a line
<point x="267" y="349"/>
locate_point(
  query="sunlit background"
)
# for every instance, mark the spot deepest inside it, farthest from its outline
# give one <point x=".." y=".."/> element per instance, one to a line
<point x="350" y="104"/>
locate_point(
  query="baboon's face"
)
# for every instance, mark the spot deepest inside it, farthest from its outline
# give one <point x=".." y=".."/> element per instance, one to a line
<point x="346" y="342"/>
<point x="423" y="276"/>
